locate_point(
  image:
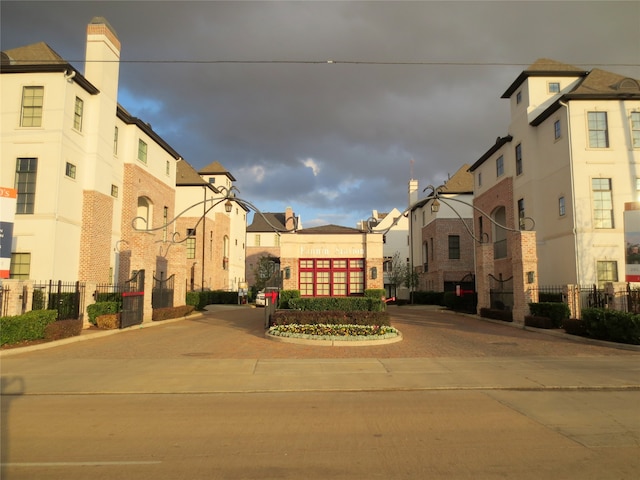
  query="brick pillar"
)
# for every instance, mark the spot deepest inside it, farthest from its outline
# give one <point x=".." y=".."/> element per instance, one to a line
<point x="572" y="295"/>
<point x="524" y="260"/>
<point x="484" y="268"/>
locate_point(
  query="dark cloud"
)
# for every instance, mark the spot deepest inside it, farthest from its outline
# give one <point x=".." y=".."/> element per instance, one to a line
<point x="334" y="141"/>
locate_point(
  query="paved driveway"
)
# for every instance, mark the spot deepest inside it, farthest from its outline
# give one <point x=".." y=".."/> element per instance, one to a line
<point x="237" y="332"/>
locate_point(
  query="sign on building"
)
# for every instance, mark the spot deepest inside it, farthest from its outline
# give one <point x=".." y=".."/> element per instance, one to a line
<point x="632" y="241"/>
<point x="7" y="213"/>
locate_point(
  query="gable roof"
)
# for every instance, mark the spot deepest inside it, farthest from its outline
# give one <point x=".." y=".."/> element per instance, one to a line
<point x="268" y="222"/>
<point x="186" y="176"/>
<point x="41" y="58"/>
<point x="460" y="182"/>
<point x="544" y="67"/>
<point x="216" y="168"/>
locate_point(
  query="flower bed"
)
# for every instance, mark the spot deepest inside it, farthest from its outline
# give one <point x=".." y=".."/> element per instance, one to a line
<point x="333" y="332"/>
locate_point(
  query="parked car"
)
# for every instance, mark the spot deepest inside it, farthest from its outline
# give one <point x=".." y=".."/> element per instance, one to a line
<point x="260" y="300"/>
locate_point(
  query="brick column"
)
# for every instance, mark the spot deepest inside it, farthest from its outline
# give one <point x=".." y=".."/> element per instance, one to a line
<point x="524" y="259"/>
<point x="572" y="295"/>
<point x="484" y="268"/>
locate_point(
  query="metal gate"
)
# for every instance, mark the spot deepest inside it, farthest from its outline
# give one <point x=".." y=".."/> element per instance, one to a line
<point x="501" y="293"/>
<point x="133" y="300"/>
<point x="162" y="293"/>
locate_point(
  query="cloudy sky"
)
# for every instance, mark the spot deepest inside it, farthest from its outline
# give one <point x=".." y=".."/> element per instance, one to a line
<point x="414" y="87"/>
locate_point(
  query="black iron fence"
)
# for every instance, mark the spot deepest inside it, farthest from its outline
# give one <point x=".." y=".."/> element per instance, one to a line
<point x="626" y="299"/>
<point x="65" y="297"/>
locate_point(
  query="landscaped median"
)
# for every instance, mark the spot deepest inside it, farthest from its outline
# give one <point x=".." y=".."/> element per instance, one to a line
<point x="334" y="335"/>
<point x="333" y="321"/>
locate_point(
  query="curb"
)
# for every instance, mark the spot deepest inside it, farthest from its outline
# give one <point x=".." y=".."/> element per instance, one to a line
<point x="334" y="343"/>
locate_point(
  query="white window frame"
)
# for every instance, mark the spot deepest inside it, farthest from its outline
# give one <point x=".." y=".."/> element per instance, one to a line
<point x="32" y="106"/>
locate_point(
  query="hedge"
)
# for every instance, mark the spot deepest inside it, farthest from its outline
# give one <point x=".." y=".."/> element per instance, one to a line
<point x="328" y="317"/>
<point x="171" y="312"/>
<point x="199" y="300"/>
<point x="496" y="314"/>
<point x="101" y="308"/>
<point x="556" y="312"/>
<point x="286" y="295"/>
<point x="30" y="326"/>
<point x="345" y="304"/>
<point x="613" y="325"/>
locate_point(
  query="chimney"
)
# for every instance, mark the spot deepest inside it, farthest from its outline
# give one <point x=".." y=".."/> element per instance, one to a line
<point x="289" y="219"/>
<point x="102" y="57"/>
<point x="413" y="191"/>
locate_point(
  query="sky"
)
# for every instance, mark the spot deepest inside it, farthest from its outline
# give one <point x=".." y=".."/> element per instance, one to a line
<point x="331" y="107"/>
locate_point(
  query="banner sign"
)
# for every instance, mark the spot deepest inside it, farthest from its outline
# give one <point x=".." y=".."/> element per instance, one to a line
<point x="632" y="241"/>
<point x="7" y="214"/>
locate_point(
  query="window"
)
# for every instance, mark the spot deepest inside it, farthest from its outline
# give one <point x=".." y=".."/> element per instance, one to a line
<point x="191" y="247"/>
<point x="554" y="87"/>
<point x="257" y="238"/>
<point x="561" y="207"/>
<point x="556" y="129"/>
<point x="518" y="97"/>
<point x="635" y="129"/>
<point x="519" y="159"/>
<point x="479" y="179"/>
<point x="26" y="170"/>
<point x="276" y="240"/>
<point x="225" y="253"/>
<point x="521" y="213"/>
<point x="331" y="277"/>
<point x="500" y="166"/>
<point x="167" y="168"/>
<point x="602" y="203"/>
<point x="165" y="218"/>
<point x="77" y="114"/>
<point x="142" y="151"/>
<point x="212" y="180"/>
<point x="115" y="141"/>
<point x="454" y="247"/>
<point x="607" y="272"/>
<point x="114" y="191"/>
<point x="598" y="130"/>
<point x="32" y="103"/>
<point x="70" y="170"/>
<point x="20" y="266"/>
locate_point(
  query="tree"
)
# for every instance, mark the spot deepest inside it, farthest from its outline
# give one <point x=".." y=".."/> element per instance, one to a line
<point x="266" y="267"/>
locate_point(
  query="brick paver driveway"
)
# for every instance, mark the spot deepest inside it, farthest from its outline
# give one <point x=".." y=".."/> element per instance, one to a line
<point x="233" y="332"/>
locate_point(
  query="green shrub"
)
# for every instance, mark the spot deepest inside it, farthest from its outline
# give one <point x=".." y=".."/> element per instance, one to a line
<point x="375" y="293"/>
<point x="556" y="312"/>
<point x="63" y="329"/>
<point x="327" y="317"/>
<point x="286" y="295"/>
<point x="346" y="304"/>
<point x="38" y="300"/>
<point x="612" y="325"/>
<point x="30" y="326"/>
<point x="109" y="297"/>
<point x="428" y="298"/>
<point x="101" y="308"/>
<point x="199" y="300"/>
<point x="171" y="312"/>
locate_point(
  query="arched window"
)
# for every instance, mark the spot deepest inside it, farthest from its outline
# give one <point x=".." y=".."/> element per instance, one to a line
<point x="225" y="250"/>
<point x="144" y="213"/>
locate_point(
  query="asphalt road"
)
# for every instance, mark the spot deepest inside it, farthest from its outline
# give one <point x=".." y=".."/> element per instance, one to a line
<point x="210" y="398"/>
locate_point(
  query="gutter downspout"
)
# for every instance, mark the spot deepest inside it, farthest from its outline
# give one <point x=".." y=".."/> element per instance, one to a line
<point x="573" y="192"/>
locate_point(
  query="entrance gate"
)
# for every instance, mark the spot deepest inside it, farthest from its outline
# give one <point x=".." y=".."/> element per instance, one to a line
<point x="133" y="301"/>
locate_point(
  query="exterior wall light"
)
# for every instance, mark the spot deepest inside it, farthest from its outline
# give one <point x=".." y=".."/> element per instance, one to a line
<point x="228" y="206"/>
<point x="374" y="272"/>
<point x="287" y="272"/>
<point x="435" y="206"/>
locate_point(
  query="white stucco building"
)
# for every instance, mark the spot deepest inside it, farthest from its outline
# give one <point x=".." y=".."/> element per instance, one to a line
<point x="568" y="169"/>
